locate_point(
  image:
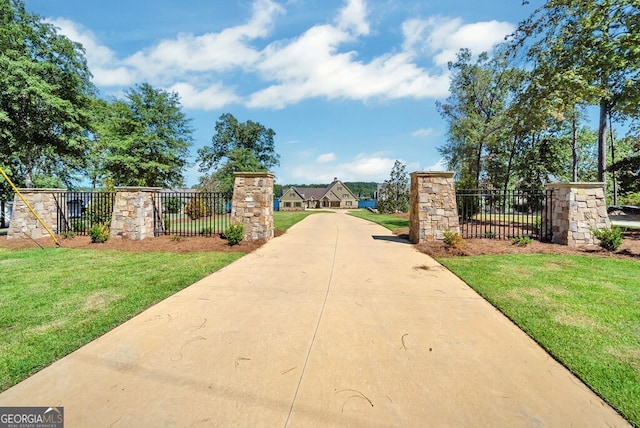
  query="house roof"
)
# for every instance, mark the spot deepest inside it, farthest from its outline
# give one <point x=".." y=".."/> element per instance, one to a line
<point x="318" y="193"/>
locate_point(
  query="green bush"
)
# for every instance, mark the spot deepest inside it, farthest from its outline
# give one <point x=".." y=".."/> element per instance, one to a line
<point x="172" y="205"/>
<point x="195" y="209"/>
<point x="630" y="199"/>
<point x="234" y="233"/>
<point x="521" y="241"/>
<point x="206" y="231"/>
<point x="100" y="209"/>
<point x="610" y="239"/>
<point x="490" y="234"/>
<point x="452" y="239"/>
<point x="99" y="233"/>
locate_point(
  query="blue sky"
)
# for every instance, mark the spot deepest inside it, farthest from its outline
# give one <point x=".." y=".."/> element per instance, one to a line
<point x="349" y="86"/>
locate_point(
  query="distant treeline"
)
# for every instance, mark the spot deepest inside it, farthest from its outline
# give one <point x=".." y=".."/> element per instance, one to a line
<point x="363" y="190"/>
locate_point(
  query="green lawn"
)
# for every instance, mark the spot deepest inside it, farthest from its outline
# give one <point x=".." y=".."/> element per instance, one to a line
<point x="283" y="220"/>
<point x="391" y="222"/>
<point x="53" y="301"/>
<point x="585" y="311"/>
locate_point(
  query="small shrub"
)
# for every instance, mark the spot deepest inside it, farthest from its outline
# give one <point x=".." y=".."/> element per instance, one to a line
<point x="166" y="222"/>
<point x="173" y="205"/>
<point x="234" y="233"/>
<point x="489" y="234"/>
<point x="453" y="239"/>
<point x="610" y="239"/>
<point x="206" y="231"/>
<point x="68" y="235"/>
<point x="521" y="241"/>
<point x="99" y="233"/>
<point x="195" y="209"/>
<point x="177" y="238"/>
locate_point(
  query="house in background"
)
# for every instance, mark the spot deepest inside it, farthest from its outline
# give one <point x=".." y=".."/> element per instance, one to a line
<point x="336" y="195"/>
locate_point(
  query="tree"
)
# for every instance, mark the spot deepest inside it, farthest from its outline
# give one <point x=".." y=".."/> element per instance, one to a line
<point x="145" y="139"/>
<point x="478" y="123"/>
<point x="238" y="160"/>
<point x="45" y="89"/>
<point x="236" y="146"/>
<point x="394" y="195"/>
<point x="591" y="48"/>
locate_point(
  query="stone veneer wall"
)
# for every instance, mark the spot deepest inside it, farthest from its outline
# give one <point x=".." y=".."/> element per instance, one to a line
<point x="433" y="208"/>
<point x="577" y="208"/>
<point x="253" y="204"/>
<point x="24" y="224"/>
<point x="133" y="213"/>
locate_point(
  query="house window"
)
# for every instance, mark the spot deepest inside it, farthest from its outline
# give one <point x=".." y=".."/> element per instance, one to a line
<point x="339" y="188"/>
<point x="287" y="204"/>
<point x="348" y="203"/>
<point x="345" y="196"/>
<point x="297" y="204"/>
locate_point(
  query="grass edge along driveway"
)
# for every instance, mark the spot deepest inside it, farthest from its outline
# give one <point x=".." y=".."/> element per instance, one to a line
<point x="55" y="300"/>
<point x="584" y="311"/>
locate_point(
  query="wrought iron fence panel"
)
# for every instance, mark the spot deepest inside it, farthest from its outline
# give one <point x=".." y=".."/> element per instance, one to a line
<point x="499" y="214"/>
<point x="80" y="211"/>
<point x="192" y="213"/>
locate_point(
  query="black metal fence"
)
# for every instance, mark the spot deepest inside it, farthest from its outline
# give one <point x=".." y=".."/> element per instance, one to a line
<point x="80" y="211"/>
<point x="499" y="214"/>
<point x="192" y="213"/>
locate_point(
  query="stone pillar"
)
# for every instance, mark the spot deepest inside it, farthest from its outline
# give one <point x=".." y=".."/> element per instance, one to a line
<point x="133" y="213"/>
<point x="433" y="208"/>
<point x="253" y="204"/>
<point x="576" y="209"/>
<point x="43" y="202"/>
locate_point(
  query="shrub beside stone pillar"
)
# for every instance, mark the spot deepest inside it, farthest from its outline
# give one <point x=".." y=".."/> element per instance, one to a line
<point x="433" y="208"/>
<point x="577" y="209"/>
<point x="252" y="204"/>
<point x="43" y="201"/>
<point x="133" y="213"/>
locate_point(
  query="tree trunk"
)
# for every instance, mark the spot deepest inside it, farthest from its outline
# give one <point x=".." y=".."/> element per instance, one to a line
<point x="613" y="160"/>
<point x="602" y="142"/>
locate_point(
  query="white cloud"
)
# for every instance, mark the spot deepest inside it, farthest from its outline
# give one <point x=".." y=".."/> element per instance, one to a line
<point x="421" y="133"/>
<point x="441" y="165"/>
<point x="364" y="167"/>
<point x="213" y="97"/>
<point x="444" y="37"/>
<point x="320" y="62"/>
<point x="354" y="17"/>
<point x="101" y="60"/>
<point x="326" y="158"/>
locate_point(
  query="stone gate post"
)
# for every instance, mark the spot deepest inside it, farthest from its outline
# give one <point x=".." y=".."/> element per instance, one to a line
<point x="133" y="213"/>
<point x="577" y="208"/>
<point x="433" y="208"/>
<point x="253" y="204"/>
<point x="43" y="201"/>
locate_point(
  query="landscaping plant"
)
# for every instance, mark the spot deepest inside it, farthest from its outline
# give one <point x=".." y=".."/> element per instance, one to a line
<point x="99" y="233"/>
<point x="610" y="239"/>
<point x="234" y="233"/>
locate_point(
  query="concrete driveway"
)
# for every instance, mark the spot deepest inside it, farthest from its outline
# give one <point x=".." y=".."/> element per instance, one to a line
<point x="335" y="323"/>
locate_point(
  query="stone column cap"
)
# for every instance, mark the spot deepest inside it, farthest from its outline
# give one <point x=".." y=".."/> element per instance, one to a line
<point x="576" y="184"/>
<point x="41" y="190"/>
<point x="138" y="189"/>
<point x="254" y="174"/>
<point x="447" y="174"/>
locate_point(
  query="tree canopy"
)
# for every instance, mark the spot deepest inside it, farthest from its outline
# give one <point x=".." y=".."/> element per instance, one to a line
<point x="236" y="146"/>
<point x="394" y="194"/>
<point x="45" y="91"/>
<point x="142" y="140"/>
